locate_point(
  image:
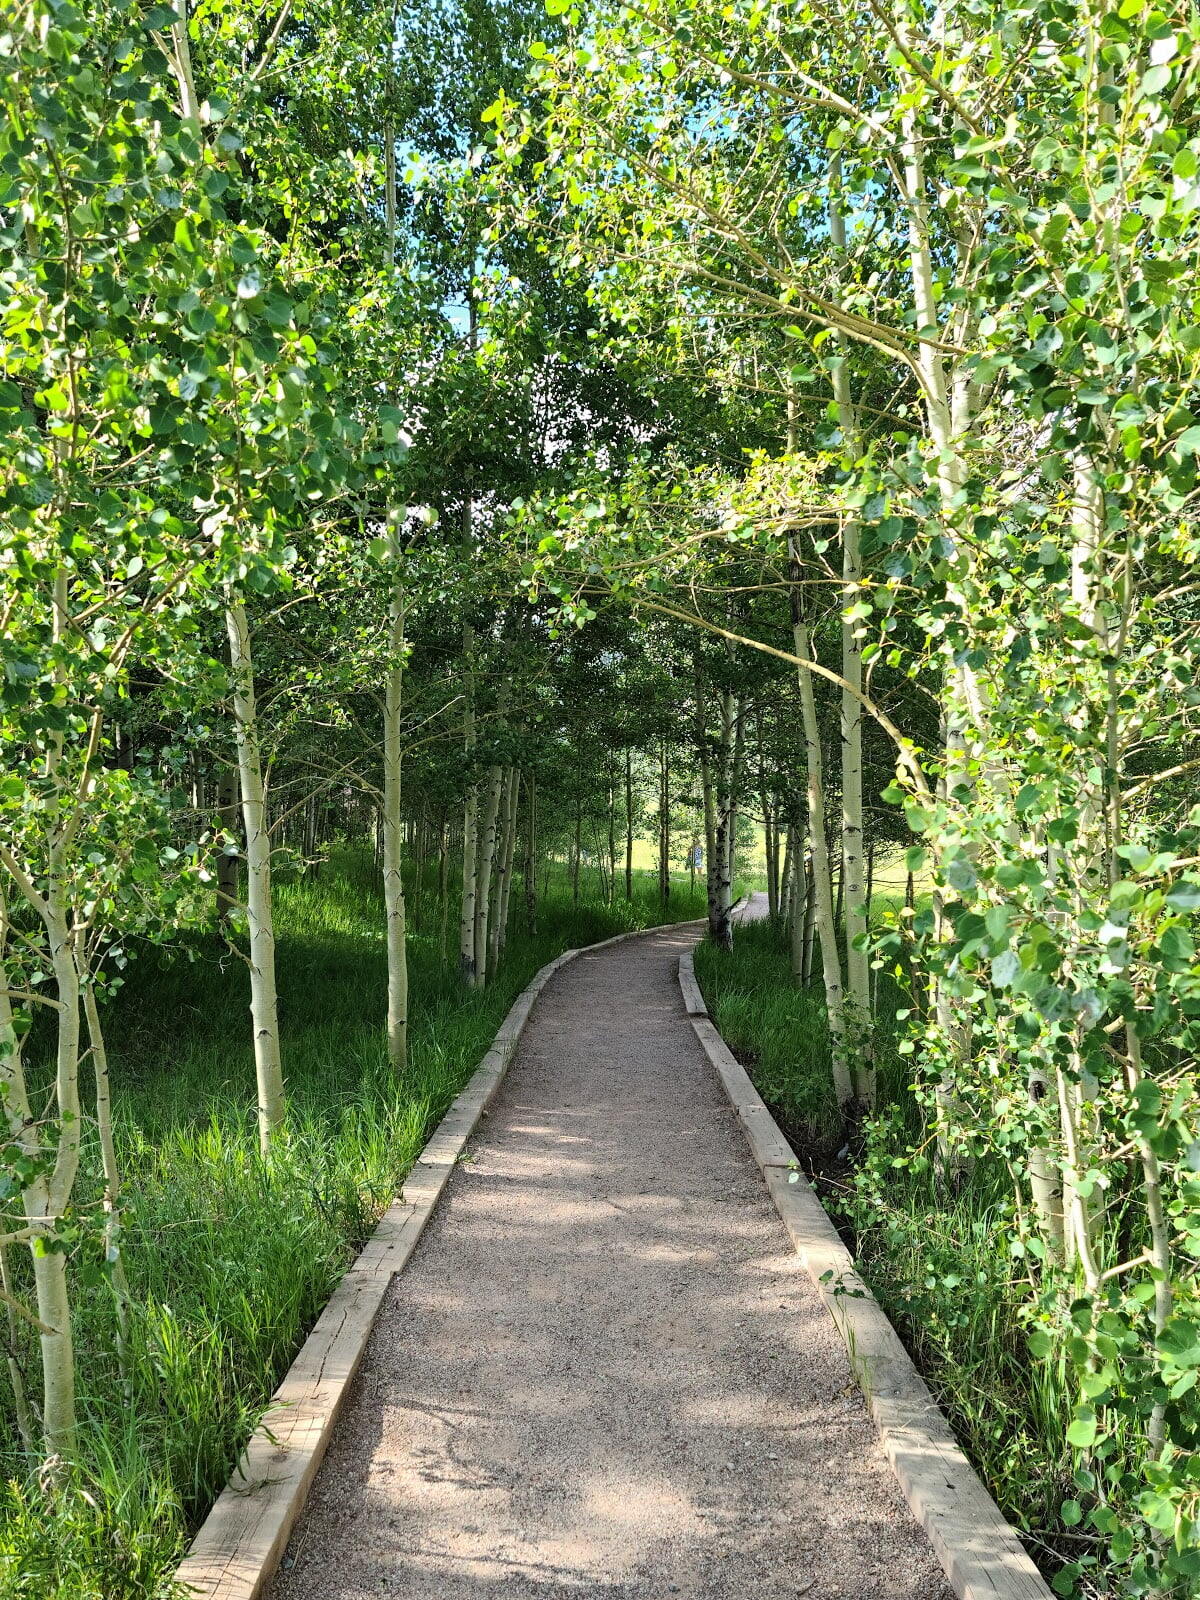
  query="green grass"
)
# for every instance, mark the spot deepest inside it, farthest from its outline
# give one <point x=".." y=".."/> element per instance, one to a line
<point x="783" y="1030"/>
<point x="927" y="1249"/>
<point x="230" y="1259"/>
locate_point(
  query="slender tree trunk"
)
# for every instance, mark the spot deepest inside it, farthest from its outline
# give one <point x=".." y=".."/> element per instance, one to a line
<point x="510" y="852"/>
<point x="810" y="919"/>
<point x="720" y="922"/>
<point x="735" y="788"/>
<point x="612" y="838"/>
<point x="797" y="922"/>
<point x="466" y="926"/>
<point x="948" y="408"/>
<point x="15" y="1110"/>
<point x="58" y="1353"/>
<point x="771" y="858"/>
<point x="822" y="886"/>
<point x="787" y="873"/>
<point x="531" y="858"/>
<point x="629" y="824"/>
<point x="468" y="968"/>
<point x="601" y="867"/>
<point x="488" y="829"/>
<point x="263" y="1004"/>
<point x="227" y="857"/>
<point x="47" y="1200"/>
<point x="576" y="849"/>
<point x="16" y="1377"/>
<point x="708" y="797"/>
<point x="498" y="921"/>
<point x="664" y="827"/>
<point x="443" y="882"/>
<point x="851" y="888"/>
<point x="771" y="847"/>
<point x="108" y="1162"/>
<point x="393" y="825"/>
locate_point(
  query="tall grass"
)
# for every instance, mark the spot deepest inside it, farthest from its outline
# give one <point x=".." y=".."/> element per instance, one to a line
<point x="927" y="1248"/>
<point x="230" y="1259"/>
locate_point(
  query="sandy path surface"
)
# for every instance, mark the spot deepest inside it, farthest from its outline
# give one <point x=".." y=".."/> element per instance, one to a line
<point x="604" y="1371"/>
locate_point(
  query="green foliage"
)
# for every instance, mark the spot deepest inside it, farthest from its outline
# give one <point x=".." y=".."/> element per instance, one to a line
<point x="229" y="1259"/>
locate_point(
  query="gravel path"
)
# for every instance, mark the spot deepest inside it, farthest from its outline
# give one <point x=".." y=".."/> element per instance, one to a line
<point x="604" y="1371"/>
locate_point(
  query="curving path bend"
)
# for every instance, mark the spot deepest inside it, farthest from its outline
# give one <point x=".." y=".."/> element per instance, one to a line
<point x="604" y="1371"/>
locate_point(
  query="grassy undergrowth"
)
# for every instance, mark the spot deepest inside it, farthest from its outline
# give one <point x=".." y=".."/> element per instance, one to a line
<point x="928" y="1251"/>
<point x="231" y="1259"/>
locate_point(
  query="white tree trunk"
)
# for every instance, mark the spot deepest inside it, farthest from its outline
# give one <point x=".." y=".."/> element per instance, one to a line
<point x="720" y="923"/>
<point x="499" y="934"/>
<point x="108" y="1162"/>
<point x="264" y="1008"/>
<point x="14" y="1106"/>
<point x="393" y="828"/>
<point x="466" y="923"/>
<point x="854" y="900"/>
<point x="822" y="879"/>
<point x="228" y="855"/>
<point x="797" y="913"/>
<point x="484" y="870"/>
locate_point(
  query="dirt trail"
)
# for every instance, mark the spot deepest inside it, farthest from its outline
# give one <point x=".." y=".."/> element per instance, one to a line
<point x="603" y="1371"/>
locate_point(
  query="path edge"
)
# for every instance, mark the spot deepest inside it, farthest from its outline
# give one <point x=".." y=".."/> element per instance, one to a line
<point x="240" y="1543"/>
<point x="978" y="1547"/>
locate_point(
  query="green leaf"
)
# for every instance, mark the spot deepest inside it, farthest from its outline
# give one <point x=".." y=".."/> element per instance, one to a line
<point x="1082" y="1432"/>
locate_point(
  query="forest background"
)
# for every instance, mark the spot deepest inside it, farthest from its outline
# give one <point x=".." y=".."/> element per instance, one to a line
<point x="441" y="447"/>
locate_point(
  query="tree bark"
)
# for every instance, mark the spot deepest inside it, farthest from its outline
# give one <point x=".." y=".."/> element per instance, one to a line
<point x="810" y="920"/>
<point x="612" y="837"/>
<point x="531" y="888"/>
<point x="720" y="921"/>
<point x="498" y="919"/>
<point x="466" y="924"/>
<point x="393" y="824"/>
<point x="227" y="857"/>
<point x="822" y="886"/>
<point x="21" y="1129"/>
<point x="664" y="826"/>
<point x="629" y="824"/>
<point x="797" y="920"/>
<point x="264" y="1008"/>
<point x="108" y="1163"/>
<point x="858" y="967"/>
<point x="576" y="850"/>
<point x="483" y="873"/>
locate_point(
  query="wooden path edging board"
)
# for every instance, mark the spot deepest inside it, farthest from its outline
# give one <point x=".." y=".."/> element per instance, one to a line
<point x="979" y="1549"/>
<point x="242" y="1540"/>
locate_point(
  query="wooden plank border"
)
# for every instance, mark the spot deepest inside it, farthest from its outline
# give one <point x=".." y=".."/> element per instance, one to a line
<point x="982" y="1555"/>
<point x="242" y="1540"/>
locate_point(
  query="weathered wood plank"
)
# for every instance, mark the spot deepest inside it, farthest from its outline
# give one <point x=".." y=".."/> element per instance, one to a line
<point x="243" y="1537"/>
<point x="979" y="1549"/>
<point x="693" y="1000"/>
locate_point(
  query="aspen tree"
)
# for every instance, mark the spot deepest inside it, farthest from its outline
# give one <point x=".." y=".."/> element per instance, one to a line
<point x="484" y="868"/>
<point x="393" y="853"/>
<point x="511" y="816"/>
<point x="822" y="886"/>
<point x="628" y="824"/>
<point x="108" y="1158"/>
<point x="858" y="972"/>
<point x="260" y="918"/>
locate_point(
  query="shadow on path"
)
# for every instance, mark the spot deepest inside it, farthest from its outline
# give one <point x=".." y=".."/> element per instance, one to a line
<point x="604" y="1372"/>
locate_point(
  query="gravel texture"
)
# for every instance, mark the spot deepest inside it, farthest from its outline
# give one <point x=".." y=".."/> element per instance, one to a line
<point x="604" y="1372"/>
